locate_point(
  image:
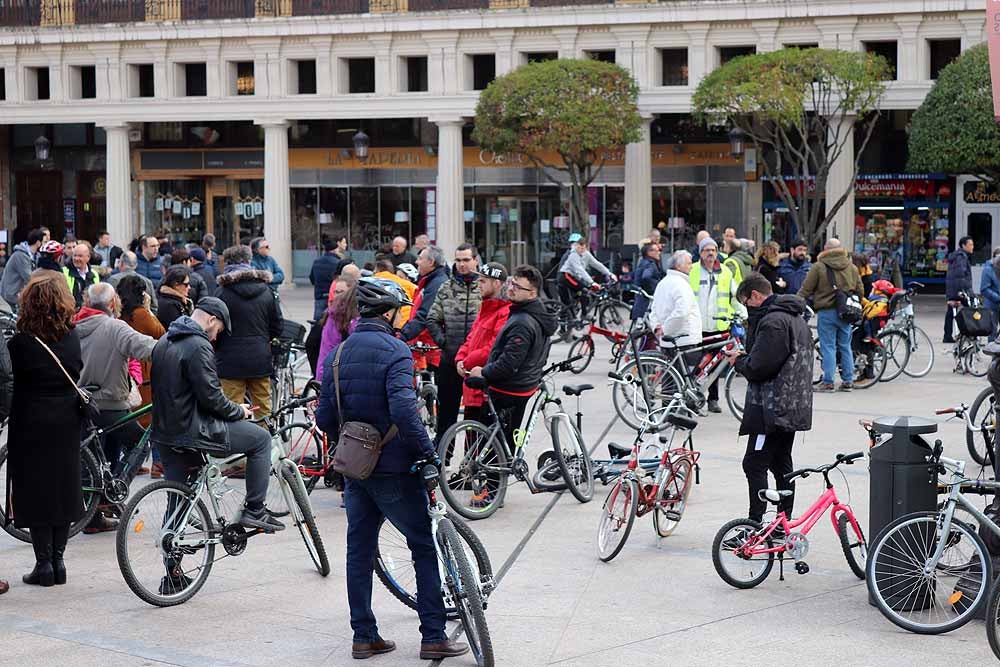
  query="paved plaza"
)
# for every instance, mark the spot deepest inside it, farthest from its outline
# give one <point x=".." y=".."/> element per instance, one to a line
<point x="659" y="602"/>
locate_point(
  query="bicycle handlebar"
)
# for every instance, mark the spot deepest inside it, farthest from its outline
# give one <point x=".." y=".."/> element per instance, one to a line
<point x="562" y="366"/>
<point x="846" y="459"/>
<point x="424" y="347"/>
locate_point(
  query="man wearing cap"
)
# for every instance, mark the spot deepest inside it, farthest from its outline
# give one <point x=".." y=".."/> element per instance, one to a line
<point x="492" y="316"/>
<point x="199" y="266"/>
<point x="715" y="289"/>
<point x="574" y="274"/>
<point x="191" y="412"/>
<point x="794" y="268"/>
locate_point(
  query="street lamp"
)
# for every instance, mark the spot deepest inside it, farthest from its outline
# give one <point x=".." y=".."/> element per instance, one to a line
<point x="361" y="143"/>
<point x="42" y="146"/>
<point x="737" y="138"/>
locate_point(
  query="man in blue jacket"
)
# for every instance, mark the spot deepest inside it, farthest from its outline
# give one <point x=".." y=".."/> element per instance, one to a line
<point x="149" y="263"/>
<point x="376" y="386"/>
<point x="956" y="281"/>
<point x="430" y="263"/>
<point x="794" y="268"/>
<point x="262" y="261"/>
<point x="989" y="286"/>
<point x="321" y="275"/>
<point x="648" y="275"/>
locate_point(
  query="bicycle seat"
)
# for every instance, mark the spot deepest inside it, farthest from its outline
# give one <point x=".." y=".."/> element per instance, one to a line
<point x="576" y="389"/>
<point x="773" y="495"/>
<point x="617" y="451"/>
<point x="682" y="422"/>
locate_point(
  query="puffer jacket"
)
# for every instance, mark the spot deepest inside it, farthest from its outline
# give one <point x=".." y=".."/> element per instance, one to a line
<point x="415" y="330"/>
<point x="778" y="367"/>
<point x="253" y="307"/>
<point x="959" y="276"/>
<point x="817" y="283"/>
<point x="793" y="273"/>
<point x="376" y="386"/>
<point x="152" y="269"/>
<point x="648" y="275"/>
<point x="520" y="351"/>
<point x="475" y="351"/>
<point x="189" y="408"/>
<point x="453" y="313"/>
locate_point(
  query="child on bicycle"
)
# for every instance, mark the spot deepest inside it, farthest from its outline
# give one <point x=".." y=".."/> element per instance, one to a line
<point x="875" y="308"/>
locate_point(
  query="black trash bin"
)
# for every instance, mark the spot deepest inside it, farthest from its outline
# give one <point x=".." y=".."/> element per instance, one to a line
<point x="901" y="480"/>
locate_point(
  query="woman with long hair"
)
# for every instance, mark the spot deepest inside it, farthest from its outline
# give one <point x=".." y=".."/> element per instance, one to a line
<point x="173" y="296"/>
<point x="341" y="318"/>
<point x="766" y="264"/>
<point x="44" y="493"/>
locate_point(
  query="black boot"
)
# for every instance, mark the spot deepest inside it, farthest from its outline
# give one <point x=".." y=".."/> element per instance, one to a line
<point x="60" y="534"/>
<point x="41" y="542"/>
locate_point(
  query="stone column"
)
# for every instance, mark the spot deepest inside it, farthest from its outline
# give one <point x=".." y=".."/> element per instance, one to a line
<point x="119" y="185"/>
<point x="840" y="179"/>
<point x="277" y="211"/>
<point x="638" y="187"/>
<point x="450" y="224"/>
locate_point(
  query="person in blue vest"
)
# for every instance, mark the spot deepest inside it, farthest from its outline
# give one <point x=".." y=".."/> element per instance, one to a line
<point x="79" y="273"/>
<point x="262" y="261"/>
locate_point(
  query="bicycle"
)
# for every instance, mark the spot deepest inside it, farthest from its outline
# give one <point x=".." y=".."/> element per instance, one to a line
<point x="968" y="351"/>
<point x="980" y="426"/>
<point x="870" y="359"/>
<point x="167" y="538"/>
<point x="929" y="572"/>
<point x="918" y="352"/>
<point x="427" y="393"/>
<point x="479" y="460"/>
<point x="102" y="482"/>
<point x="634" y="495"/>
<point x="451" y="536"/>
<point x="288" y="356"/>
<point x="604" y="307"/>
<point x="744" y="544"/>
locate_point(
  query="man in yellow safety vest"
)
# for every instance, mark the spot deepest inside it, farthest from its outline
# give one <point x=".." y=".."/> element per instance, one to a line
<point x="715" y="289"/>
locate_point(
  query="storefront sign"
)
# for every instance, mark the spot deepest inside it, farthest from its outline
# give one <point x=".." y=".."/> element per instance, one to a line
<point x="980" y="192"/>
<point x="887" y="188"/>
<point x="993" y="40"/>
<point x="69" y="213"/>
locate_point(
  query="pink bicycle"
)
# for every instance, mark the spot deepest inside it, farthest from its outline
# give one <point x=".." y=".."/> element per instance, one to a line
<point x="743" y="551"/>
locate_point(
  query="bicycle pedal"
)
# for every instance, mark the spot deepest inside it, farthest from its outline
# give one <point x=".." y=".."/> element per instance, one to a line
<point x="802" y="567"/>
<point x="673" y="515"/>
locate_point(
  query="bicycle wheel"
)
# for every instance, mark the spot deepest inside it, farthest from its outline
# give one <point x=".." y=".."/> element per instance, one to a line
<point x="983" y="415"/>
<point x="921" y="353"/>
<point x="473" y="472"/>
<point x="614" y="316"/>
<point x="394" y="563"/>
<point x="817" y="362"/>
<point x="157" y="570"/>
<point x="672" y="497"/>
<point x="304" y="518"/>
<point x="428" y="405"/>
<point x="897" y="354"/>
<point x="974" y="360"/>
<point x="464" y="586"/>
<point x="584" y="347"/>
<point x="572" y="456"/>
<point x="942" y="600"/>
<point x="736" y="392"/>
<point x="740" y="571"/>
<point x="305" y="449"/>
<point x="993" y="620"/>
<point x="661" y="380"/>
<point x="852" y="540"/>
<point x="869" y="365"/>
<point x="90" y="478"/>
<point x="617" y="517"/>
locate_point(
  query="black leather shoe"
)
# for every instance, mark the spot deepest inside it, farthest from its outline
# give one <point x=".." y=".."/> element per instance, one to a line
<point x="42" y="575"/>
<point x="361" y="651"/>
<point x="441" y="650"/>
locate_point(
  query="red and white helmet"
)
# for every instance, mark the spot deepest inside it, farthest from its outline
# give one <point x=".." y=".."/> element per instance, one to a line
<point x="52" y="248"/>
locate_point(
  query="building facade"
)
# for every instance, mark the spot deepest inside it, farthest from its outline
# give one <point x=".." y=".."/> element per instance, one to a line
<point x="239" y="117"/>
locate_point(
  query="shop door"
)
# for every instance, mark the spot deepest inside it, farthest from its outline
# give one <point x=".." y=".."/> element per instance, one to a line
<point x="222" y="221"/>
<point x="982" y="223"/>
<point x="91" y="214"/>
<point x="512" y="231"/>
<point x="38" y="203"/>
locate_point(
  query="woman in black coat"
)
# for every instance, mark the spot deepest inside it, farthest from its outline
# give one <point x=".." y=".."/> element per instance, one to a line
<point x="44" y="493"/>
<point x="173" y="300"/>
<point x="767" y="266"/>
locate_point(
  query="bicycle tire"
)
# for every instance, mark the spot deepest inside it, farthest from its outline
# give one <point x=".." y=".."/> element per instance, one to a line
<point x="89" y="470"/>
<point x="469" y="471"/>
<point x="305" y="520"/>
<point x="466" y="592"/>
<point x="960" y="533"/>
<point x="720" y="569"/>
<point x="300" y="448"/>
<point x="875" y="357"/>
<point x="607" y="551"/>
<point x="919" y="340"/>
<point x="614" y="316"/>
<point x="386" y="571"/>
<point x="665" y="381"/>
<point x="897" y="354"/>
<point x="581" y="347"/>
<point x="974" y="361"/>
<point x="132" y="526"/>
<point x="663" y="524"/>
<point x="973" y="438"/>
<point x="429" y="413"/>
<point x="993" y="620"/>
<point x="843" y="522"/>
<point x="573" y="459"/>
<point x="733" y="398"/>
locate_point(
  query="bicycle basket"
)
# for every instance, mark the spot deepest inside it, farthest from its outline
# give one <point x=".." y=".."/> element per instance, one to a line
<point x="292" y="333"/>
<point x="976" y="321"/>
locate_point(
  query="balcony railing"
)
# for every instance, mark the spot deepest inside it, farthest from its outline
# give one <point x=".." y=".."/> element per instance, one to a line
<point x="324" y="7"/>
<point x="443" y="5"/>
<point x="20" y="12"/>
<point x="197" y="10"/>
<point x="110" y="11"/>
<point x="566" y="3"/>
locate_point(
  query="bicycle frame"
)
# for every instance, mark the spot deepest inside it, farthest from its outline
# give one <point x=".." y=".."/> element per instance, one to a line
<point x="812" y="516"/>
<point x="104" y="465"/>
<point x="956" y="498"/>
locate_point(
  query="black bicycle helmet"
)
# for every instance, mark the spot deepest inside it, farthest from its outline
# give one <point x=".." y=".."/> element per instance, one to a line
<point x="377" y="297"/>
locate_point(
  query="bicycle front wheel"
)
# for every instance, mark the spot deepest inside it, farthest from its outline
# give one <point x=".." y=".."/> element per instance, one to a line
<point x="617" y="517"/>
<point x="583" y="347"/>
<point x="614" y="316"/>
<point x="736" y="393"/>
<point x="572" y="456"/>
<point x="305" y="449"/>
<point x="672" y="497"/>
<point x="928" y="602"/>
<point x="165" y="544"/>
<point x="974" y="360"/>
<point x="869" y="365"/>
<point x="302" y="514"/>
<point x="897" y="354"/>
<point x="734" y="566"/>
<point x="982" y="414"/>
<point x="464" y="586"/>
<point x="852" y="541"/>
<point x="650" y="383"/>
<point x="921" y="353"/>
<point x="473" y="470"/>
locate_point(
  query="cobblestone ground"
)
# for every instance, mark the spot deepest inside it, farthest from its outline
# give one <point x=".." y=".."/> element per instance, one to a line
<point x="660" y="602"/>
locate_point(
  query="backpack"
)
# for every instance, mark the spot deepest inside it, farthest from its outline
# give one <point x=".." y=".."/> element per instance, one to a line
<point x="848" y="304"/>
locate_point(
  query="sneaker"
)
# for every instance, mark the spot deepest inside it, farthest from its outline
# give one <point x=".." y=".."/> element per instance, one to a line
<point x="260" y="519"/>
<point x="171" y="585"/>
<point x="156" y="471"/>
<point x="824" y="388"/>
<point x="713" y="406"/>
<point x="846" y="386"/>
<point x="738" y="539"/>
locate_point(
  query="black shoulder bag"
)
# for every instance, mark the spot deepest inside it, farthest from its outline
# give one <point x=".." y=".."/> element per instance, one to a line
<point x="848" y="304"/>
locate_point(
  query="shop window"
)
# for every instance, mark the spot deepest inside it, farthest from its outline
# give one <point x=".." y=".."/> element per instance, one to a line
<point x="365" y="239"/>
<point x="394" y="214"/>
<point x="304" y="230"/>
<point x="36" y="83"/>
<point x="304" y="76"/>
<point x="360" y="75"/>
<point x="540" y="56"/>
<point x="727" y="53"/>
<point x="241" y="78"/>
<point x="192" y="80"/>
<point x="482" y="69"/>
<point x="888" y="51"/>
<point x="674" y="64"/>
<point x="943" y="51"/>
<point x="141" y="80"/>
<point x="82" y="82"/>
<point x="175" y="209"/>
<point x="413" y="74"/>
<point x="603" y="56"/>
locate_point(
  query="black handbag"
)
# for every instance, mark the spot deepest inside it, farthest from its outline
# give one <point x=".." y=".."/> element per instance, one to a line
<point x="848" y="304"/>
<point x="88" y="408"/>
<point x="975" y="322"/>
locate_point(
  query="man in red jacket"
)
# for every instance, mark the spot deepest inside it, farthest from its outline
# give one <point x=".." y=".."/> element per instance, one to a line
<point x="476" y="349"/>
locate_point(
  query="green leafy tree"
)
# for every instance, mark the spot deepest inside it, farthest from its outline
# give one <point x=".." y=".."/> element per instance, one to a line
<point x="955" y="131"/>
<point x="574" y="109"/>
<point x="790" y="105"/>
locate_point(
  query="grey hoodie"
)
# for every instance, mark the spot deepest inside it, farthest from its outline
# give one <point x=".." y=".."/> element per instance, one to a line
<point x="106" y="345"/>
<point x="16" y="272"/>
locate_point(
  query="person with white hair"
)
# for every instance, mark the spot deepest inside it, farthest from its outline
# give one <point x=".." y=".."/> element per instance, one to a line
<point x="674" y="314"/>
<point x="126" y="265"/>
<point x="398" y="254"/>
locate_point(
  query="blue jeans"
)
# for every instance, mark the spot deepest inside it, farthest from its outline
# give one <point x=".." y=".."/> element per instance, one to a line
<point x="834" y="342"/>
<point x="403" y="501"/>
<point x="319" y="305"/>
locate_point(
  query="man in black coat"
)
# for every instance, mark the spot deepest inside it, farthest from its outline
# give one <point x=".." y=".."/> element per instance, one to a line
<point x="778" y="366"/>
<point x="244" y="354"/>
<point x="956" y="281"/>
<point x="200" y="268"/>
